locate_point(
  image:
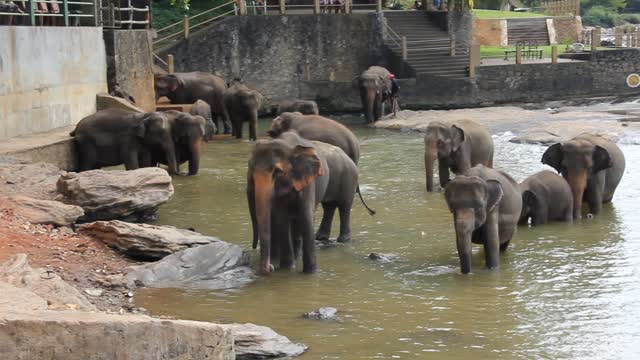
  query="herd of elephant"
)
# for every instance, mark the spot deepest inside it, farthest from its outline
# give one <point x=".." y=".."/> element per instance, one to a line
<point x="312" y="160"/>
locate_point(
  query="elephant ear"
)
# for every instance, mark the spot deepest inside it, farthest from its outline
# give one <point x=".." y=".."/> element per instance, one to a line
<point x="601" y="159"/>
<point x="528" y="197"/>
<point x="457" y="137"/>
<point x="553" y="157"/>
<point x="174" y="82"/>
<point x="494" y="194"/>
<point x="305" y="167"/>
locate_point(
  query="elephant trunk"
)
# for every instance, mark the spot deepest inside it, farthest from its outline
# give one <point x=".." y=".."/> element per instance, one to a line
<point x="194" y="160"/>
<point x="370" y="104"/>
<point x="464" y="224"/>
<point x="251" y="199"/>
<point x="263" y="189"/>
<point x="169" y="149"/>
<point x="577" y="180"/>
<point x="430" y="154"/>
<point x="253" y="126"/>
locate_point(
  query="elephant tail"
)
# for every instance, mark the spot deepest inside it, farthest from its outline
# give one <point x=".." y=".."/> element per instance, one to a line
<point x="370" y="210"/>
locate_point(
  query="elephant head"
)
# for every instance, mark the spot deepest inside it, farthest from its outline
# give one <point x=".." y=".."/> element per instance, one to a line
<point x="282" y="123"/>
<point x="577" y="160"/>
<point x="441" y="141"/>
<point x="188" y="132"/>
<point x="471" y="200"/>
<point x="154" y="129"/>
<point x="371" y="87"/>
<point x="277" y="168"/>
<point x="166" y="84"/>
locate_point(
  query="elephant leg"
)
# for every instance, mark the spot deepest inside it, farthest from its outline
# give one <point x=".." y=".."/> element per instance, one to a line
<point x="215" y="119"/>
<point x="492" y="241"/>
<point x="506" y="233"/>
<point x="87" y="157"/>
<point x="253" y="128"/>
<point x="194" y="157"/>
<point x="345" y="223"/>
<point x="145" y="159"/>
<point x="296" y="237"/>
<point x="443" y="171"/>
<point x="377" y="108"/>
<point x="309" y="264"/>
<point x="130" y="158"/>
<point x="328" y="210"/>
<point x="227" y="124"/>
<point x="593" y="195"/>
<point x="280" y="230"/>
<point x="237" y="127"/>
<point x="540" y="216"/>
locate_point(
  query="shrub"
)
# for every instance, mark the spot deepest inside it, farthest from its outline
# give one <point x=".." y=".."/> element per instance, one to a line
<point x="631" y="18"/>
<point x="601" y="16"/>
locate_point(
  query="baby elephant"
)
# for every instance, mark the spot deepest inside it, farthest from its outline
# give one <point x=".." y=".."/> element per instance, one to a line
<point x="306" y="107"/>
<point x="546" y="197"/>
<point x="486" y="205"/>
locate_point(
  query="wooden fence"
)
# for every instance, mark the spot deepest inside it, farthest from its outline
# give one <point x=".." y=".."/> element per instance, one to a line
<point x="560" y="7"/>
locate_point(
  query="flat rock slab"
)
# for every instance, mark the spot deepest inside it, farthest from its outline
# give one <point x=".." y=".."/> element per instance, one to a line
<point x="16" y="299"/>
<point x="46" y="212"/>
<point x="563" y="131"/>
<point x="218" y="265"/>
<point x="106" y="101"/>
<point x="75" y="335"/>
<point x="143" y="240"/>
<point x="49" y="286"/>
<point x="260" y="342"/>
<point x="37" y="180"/>
<point x="116" y="194"/>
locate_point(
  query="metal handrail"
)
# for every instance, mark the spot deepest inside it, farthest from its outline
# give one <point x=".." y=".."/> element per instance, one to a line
<point x="194" y="26"/>
<point x="195" y="16"/>
<point x="393" y="33"/>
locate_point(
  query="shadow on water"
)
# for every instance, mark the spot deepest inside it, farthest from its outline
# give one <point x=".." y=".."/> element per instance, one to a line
<point x="563" y="290"/>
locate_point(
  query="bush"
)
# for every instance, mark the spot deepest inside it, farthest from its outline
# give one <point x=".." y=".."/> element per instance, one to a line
<point x="631" y="18"/>
<point x="601" y="16"/>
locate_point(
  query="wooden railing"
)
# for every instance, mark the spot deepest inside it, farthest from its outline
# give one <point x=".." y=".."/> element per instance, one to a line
<point x="33" y="13"/>
<point x="115" y="15"/>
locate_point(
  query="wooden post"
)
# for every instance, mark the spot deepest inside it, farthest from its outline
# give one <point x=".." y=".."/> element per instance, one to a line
<point x="554" y="54"/>
<point x="185" y="26"/>
<point x="518" y="54"/>
<point x="282" y="7"/>
<point x="474" y="59"/>
<point x="170" y="64"/>
<point x="618" y="37"/>
<point x="347" y="6"/>
<point x="595" y="40"/>
<point x="242" y="4"/>
<point x="452" y="45"/>
<point x="316" y="6"/>
<point x="378" y="5"/>
<point x="404" y="49"/>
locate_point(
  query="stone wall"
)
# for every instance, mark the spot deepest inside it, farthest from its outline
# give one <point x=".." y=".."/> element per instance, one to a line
<point x="278" y="55"/>
<point x="49" y="77"/>
<point x="568" y="29"/>
<point x="490" y="32"/>
<point x="129" y="64"/>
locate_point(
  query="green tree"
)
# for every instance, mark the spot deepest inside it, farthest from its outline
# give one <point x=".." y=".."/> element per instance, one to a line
<point x="609" y="4"/>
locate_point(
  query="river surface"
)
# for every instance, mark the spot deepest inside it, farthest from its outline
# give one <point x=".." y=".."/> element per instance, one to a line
<point x="563" y="291"/>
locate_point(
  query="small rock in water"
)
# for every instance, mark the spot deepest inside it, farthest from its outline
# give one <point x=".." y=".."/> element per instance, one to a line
<point x="93" y="292"/>
<point x="323" y="313"/>
<point x="385" y="258"/>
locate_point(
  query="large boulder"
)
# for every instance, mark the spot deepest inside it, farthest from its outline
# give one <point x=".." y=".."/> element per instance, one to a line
<point x="37" y="180"/>
<point x="76" y="335"/>
<point x="116" y="194"/>
<point x="16" y="299"/>
<point x="47" y="285"/>
<point x="218" y="265"/>
<point x="260" y="342"/>
<point x="143" y="240"/>
<point x="46" y="212"/>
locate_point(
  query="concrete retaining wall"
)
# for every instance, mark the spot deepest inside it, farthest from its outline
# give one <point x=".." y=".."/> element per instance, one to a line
<point x="49" y="77"/>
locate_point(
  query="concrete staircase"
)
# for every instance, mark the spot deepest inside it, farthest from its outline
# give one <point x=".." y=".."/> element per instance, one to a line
<point x="428" y="44"/>
<point x="529" y="29"/>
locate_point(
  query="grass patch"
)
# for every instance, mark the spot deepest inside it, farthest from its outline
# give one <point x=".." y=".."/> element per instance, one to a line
<point x="498" y="51"/>
<point x="496" y="14"/>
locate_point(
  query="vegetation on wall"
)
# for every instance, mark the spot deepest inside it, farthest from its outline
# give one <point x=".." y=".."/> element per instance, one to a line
<point x="610" y="13"/>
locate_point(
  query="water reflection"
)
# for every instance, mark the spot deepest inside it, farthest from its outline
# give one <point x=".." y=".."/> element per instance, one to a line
<point x="563" y="291"/>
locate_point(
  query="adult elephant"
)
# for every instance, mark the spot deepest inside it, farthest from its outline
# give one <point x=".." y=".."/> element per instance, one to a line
<point x="546" y="197"/>
<point x="486" y="206"/>
<point x="319" y="128"/>
<point x="286" y="179"/>
<point x="593" y="167"/>
<point x="187" y="88"/>
<point x="306" y="107"/>
<point x="201" y="108"/>
<point x="113" y="136"/>
<point x="372" y="85"/>
<point x="188" y="132"/>
<point x="458" y="146"/>
<point x="241" y="104"/>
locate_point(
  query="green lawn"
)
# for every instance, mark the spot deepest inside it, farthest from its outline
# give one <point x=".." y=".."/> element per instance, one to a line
<point x="496" y="14"/>
<point x="498" y="51"/>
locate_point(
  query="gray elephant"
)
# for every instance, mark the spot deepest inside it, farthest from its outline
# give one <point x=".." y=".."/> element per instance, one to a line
<point x="113" y="136"/>
<point x="286" y="179"/>
<point x="306" y="107"/>
<point x="372" y="85"/>
<point x="486" y="206"/>
<point x="188" y="133"/>
<point x="546" y="196"/>
<point x="593" y="167"/>
<point x="458" y="146"/>
<point x="241" y="104"/>
<point x="187" y="88"/>
<point x="203" y="109"/>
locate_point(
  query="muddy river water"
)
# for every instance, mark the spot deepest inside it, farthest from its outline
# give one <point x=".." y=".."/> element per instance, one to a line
<point x="563" y="291"/>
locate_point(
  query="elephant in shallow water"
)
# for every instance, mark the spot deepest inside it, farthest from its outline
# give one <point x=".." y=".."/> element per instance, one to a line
<point x="486" y="205"/>
<point x="592" y="165"/>
<point x="546" y="196"/>
<point x="286" y="179"/>
<point x="372" y="85"/>
<point x="458" y="146"/>
<point x="241" y="104"/>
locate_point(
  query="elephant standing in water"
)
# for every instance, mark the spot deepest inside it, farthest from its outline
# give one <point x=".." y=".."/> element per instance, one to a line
<point x="286" y="179"/>
<point x="372" y="85"/>
<point x="457" y="146"/>
<point x="187" y="88"/>
<point x="593" y="167"/>
<point x="546" y="196"/>
<point x="203" y="109"/>
<point x="112" y="137"/>
<point x="241" y="104"/>
<point x="486" y="206"/>
<point x="305" y="107"/>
